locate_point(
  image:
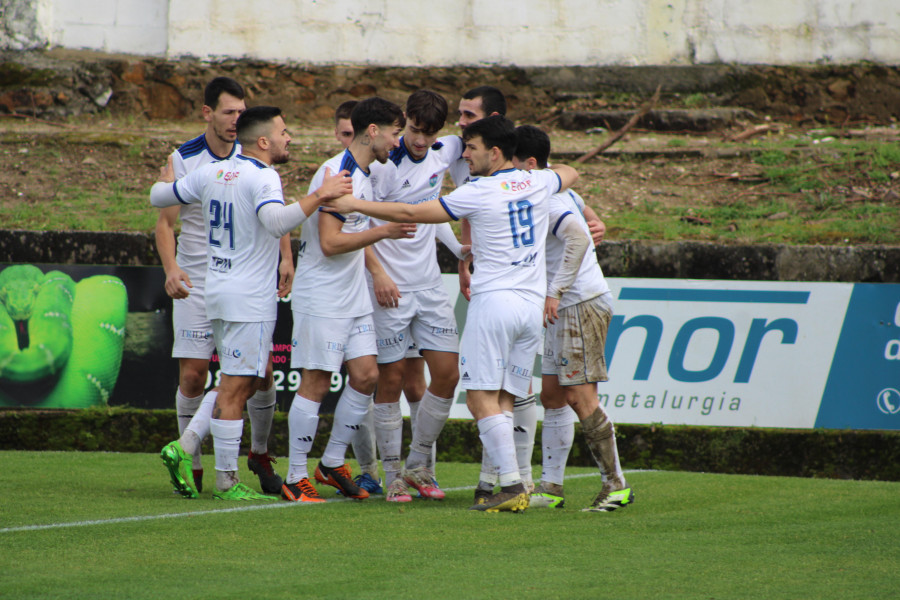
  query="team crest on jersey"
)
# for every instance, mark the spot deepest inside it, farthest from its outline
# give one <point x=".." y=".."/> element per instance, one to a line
<point x="227" y="176"/>
<point x="433" y="179"/>
<point x="515" y="186"/>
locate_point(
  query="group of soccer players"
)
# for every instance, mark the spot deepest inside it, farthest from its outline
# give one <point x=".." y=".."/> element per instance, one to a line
<point x="367" y="295"/>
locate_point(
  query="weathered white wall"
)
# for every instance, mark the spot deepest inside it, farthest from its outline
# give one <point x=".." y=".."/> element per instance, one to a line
<point x="452" y="32"/>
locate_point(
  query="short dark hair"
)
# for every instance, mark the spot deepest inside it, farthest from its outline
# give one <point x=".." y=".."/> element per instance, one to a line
<point x="344" y="109"/>
<point x="219" y="86"/>
<point x="428" y="109"/>
<point x="494" y="131"/>
<point x="492" y="99"/>
<point x="532" y="142"/>
<point x="377" y="111"/>
<point x="250" y="123"/>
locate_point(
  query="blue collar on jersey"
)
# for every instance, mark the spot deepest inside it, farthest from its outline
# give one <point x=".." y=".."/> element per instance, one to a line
<point x="349" y="163"/>
<point x="397" y="154"/>
<point x="198" y="145"/>
<point x="250" y="159"/>
<point x="503" y="171"/>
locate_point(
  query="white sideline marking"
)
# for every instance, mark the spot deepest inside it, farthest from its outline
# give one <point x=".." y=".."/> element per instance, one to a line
<point x="269" y="505"/>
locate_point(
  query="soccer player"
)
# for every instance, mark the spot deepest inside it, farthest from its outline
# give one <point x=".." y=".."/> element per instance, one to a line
<point x="577" y="320"/>
<point x="333" y="311"/>
<point x="185" y="267"/>
<point x="508" y="211"/>
<point x="343" y="128"/>
<point x="409" y="299"/>
<point x="245" y="217"/>
<point x="476" y="104"/>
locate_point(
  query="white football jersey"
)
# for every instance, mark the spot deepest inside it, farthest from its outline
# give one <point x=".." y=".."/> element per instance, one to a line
<point x="412" y="262"/>
<point x="333" y="286"/>
<point x="242" y="268"/>
<point x="459" y="169"/>
<point x="508" y="213"/>
<point x="191" y="251"/>
<point x="589" y="282"/>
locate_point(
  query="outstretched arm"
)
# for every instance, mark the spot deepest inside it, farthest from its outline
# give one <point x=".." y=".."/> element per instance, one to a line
<point x="334" y="241"/>
<point x="399" y="212"/>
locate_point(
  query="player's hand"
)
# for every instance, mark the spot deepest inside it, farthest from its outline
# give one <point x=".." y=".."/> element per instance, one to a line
<point x="285" y="277"/>
<point x="334" y="186"/>
<point x="598" y="230"/>
<point x="386" y="292"/>
<point x="465" y="278"/>
<point x="175" y="283"/>
<point x="551" y="314"/>
<point x="343" y="204"/>
<point x="398" y="231"/>
<point x="167" y="173"/>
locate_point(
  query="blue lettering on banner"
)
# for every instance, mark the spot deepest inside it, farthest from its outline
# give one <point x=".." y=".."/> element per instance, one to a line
<point x="861" y="392"/>
<point x="725" y="329"/>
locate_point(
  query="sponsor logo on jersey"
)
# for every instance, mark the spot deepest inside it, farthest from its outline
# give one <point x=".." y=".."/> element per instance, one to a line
<point x="227" y="176"/>
<point x="406" y="184"/>
<point x="334" y="346"/>
<point x="515" y="187"/>
<point x="221" y="265"/>
<point x="528" y="261"/>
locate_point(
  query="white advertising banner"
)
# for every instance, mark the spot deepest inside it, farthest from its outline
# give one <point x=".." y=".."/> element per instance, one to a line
<point x="747" y="354"/>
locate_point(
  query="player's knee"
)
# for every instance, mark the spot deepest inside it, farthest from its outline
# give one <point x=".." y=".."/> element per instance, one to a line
<point x="192" y="382"/>
<point x="364" y="380"/>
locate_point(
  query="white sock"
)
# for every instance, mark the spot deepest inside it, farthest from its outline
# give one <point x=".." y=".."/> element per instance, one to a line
<point x="350" y="411"/>
<point x="226" y="436"/>
<point x="303" y="421"/>
<point x="185" y="408"/>
<point x="364" y="444"/>
<point x="389" y="434"/>
<point x="490" y="473"/>
<point x="431" y="418"/>
<point x="524" y="428"/>
<point x="497" y="436"/>
<point x="261" y="408"/>
<point x="557" y="435"/>
<point x="414" y="414"/>
<point x="196" y="431"/>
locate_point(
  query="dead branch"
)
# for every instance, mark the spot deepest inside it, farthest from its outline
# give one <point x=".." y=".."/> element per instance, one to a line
<point x="615" y="137"/>
<point x="752" y="131"/>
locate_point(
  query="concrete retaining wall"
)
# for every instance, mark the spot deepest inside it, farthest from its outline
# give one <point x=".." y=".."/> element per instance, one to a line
<point x="676" y="260"/>
<point x="468" y="32"/>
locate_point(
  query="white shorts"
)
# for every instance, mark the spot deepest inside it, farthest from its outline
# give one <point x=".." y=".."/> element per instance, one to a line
<point x="412" y="351"/>
<point x="193" y="331"/>
<point x="324" y="344"/>
<point x="575" y="346"/>
<point x="425" y="316"/>
<point x="502" y="335"/>
<point x="243" y="347"/>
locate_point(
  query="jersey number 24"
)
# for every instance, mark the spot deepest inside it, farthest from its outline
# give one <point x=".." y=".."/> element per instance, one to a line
<point x="221" y="222"/>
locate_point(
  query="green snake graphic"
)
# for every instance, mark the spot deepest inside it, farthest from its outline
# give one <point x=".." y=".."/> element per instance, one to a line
<point x="60" y="342"/>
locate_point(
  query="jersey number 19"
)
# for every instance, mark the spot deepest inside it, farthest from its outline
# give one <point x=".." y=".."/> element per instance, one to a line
<point x="521" y="223"/>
